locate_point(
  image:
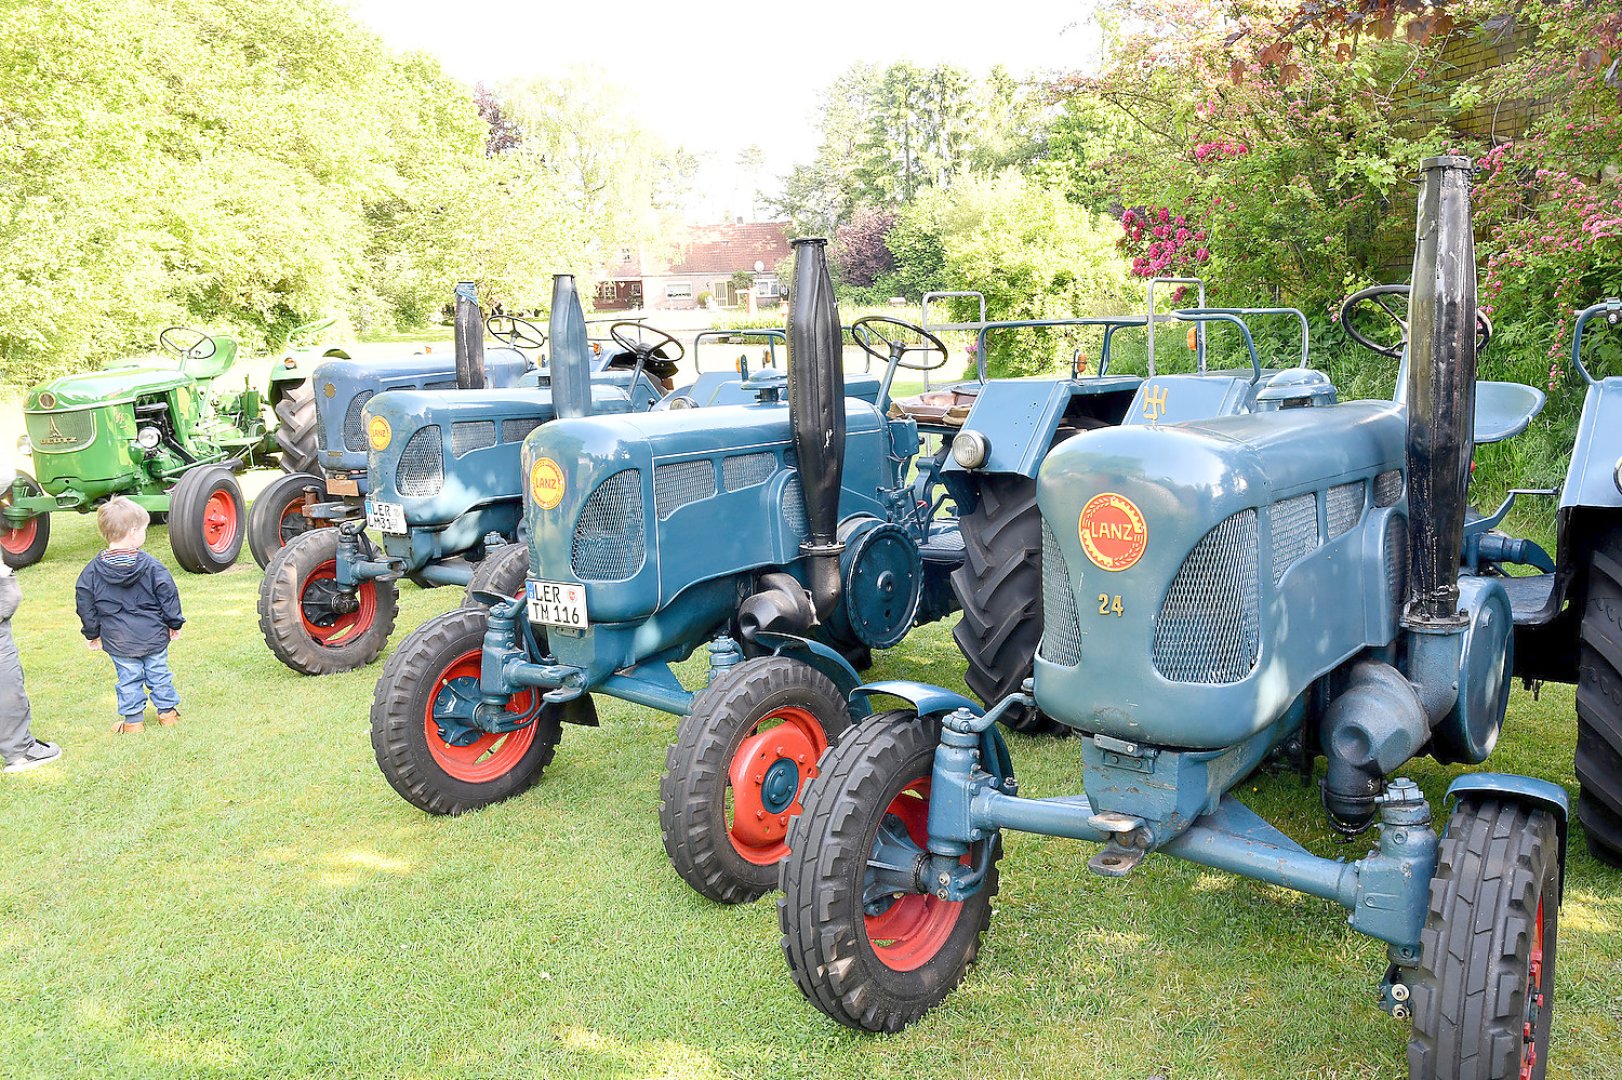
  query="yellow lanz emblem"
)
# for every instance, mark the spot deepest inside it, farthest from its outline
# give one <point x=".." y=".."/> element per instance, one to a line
<point x="378" y="433"/>
<point x="1113" y="532"/>
<point x="546" y="483"/>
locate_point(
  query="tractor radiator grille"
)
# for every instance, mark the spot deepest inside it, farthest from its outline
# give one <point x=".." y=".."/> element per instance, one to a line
<point x="608" y="538"/>
<point x="794" y="508"/>
<point x="1343" y="504"/>
<point x="518" y="428"/>
<point x="674" y="486"/>
<point x="469" y="435"/>
<point x="1295" y="531"/>
<point x="1396" y="560"/>
<point x="421" y="471"/>
<point x="1208" y="629"/>
<point x="442" y="384"/>
<point x="354" y="429"/>
<point x="61" y="433"/>
<point x="746" y="470"/>
<point x="1388" y="488"/>
<point x="1061" y="626"/>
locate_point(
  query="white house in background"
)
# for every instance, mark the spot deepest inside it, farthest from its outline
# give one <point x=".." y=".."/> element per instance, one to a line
<point x="703" y="262"/>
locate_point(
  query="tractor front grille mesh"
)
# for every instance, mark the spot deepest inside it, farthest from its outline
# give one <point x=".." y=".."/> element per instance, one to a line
<point x="676" y="485"/>
<point x="1388" y="488"/>
<point x="1396" y="560"/>
<point x="469" y="435"/>
<point x="1343" y="506"/>
<point x="746" y="470"/>
<point x="61" y="433"/>
<point x="354" y="429"/>
<point x="1208" y="629"/>
<point x="421" y="471"/>
<point x="442" y="384"/>
<point x="794" y="508"/>
<point x="1061" y="626"/>
<point x="1295" y="531"/>
<point x="517" y="428"/>
<point x="609" y="540"/>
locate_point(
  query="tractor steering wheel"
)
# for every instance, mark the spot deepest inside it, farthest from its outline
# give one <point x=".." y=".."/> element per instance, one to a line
<point x="519" y="333"/>
<point x="186" y="343"/>
<point x="641" y="346"/>
<point x="1374" y="296"/>
<point x="863" y="330"/>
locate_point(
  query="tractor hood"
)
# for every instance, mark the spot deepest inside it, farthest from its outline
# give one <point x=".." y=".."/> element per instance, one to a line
<point x="113" y="386"/>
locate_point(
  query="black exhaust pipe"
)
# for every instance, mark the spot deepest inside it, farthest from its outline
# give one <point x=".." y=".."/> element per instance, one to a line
<point x="469" y="337"/>
<point x="816" y="403"/>
<point x="571" y="352"/>
<point x="1441" y="391"/>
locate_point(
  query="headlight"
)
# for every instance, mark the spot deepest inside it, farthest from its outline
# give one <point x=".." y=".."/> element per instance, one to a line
<point x="970" y="449"/>
<point x="23" y="445"/>
<point x="680" y="402"/>
<point x="148" y="438"/>
<point x="1617" y="476"/>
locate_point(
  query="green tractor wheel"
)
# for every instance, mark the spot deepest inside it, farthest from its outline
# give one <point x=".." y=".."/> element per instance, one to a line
<point x="24" y="545"/>
<point x="206" y="517"/>
<point x="296" y="429"/>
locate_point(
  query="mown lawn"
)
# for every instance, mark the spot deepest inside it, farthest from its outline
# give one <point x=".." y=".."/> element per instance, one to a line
<point x="244" y="895"/>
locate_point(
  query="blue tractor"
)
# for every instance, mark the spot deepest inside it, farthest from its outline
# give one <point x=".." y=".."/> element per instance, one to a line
<point x="1217" y="591"/>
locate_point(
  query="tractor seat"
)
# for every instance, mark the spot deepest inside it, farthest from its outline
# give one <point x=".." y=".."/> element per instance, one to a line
<point x="1505" y="409"/>
<point x="949" y="407"/>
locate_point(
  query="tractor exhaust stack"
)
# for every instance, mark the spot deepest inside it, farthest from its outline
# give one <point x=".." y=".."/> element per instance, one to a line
<point x="816" y="397"/>
<point x="1441" y="391"/>
<point x="571" y="353"/>
<point x="469" y="337"/>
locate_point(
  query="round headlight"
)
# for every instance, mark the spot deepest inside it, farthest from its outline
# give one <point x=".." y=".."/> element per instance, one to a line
<point x="23" y="445"/>
<point x="970" y="449"/>
<point x="1617" y="476"/>
<point x="47" y="400"/>
<point x="681" y="401"/>
<point x="148" y="438"/>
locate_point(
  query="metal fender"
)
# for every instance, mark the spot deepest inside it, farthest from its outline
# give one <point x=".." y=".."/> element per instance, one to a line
<point x="826" y="660"/>
<point x="1018" y="418"/>
<point x="1551" y="797"/>
<point x="928" y="700"/>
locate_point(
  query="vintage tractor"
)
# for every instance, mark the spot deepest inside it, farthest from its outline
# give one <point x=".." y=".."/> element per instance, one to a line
<point x="1218" y="591"/>
<point x="444" y="489"/>
<point x="167" y="433"/>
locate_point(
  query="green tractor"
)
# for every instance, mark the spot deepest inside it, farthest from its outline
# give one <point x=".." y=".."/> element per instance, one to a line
<point x="167" y="432"/>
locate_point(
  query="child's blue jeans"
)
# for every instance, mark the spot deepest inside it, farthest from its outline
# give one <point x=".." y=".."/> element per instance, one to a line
<point x="139" y="674"/>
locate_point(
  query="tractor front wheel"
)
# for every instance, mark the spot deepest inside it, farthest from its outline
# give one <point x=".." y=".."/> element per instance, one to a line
<point x="277" y="515"/>
<point x="502" y="572"/>
<point x="1483" y="996"/>
<point x="24" y="545"/>
<point x="1599" y="701"/>
<point x="315" y="625"/>
<point x="206" y="516"/>
<point x="422" y="732"/>
<point x="296" y="428"/>
<point x="873" y="954"/>
<point x="733" y="777"/>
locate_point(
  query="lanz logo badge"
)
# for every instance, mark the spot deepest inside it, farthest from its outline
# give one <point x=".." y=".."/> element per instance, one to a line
<point x="546" y="483"/>
<point x="1113" y="532"/>
<point x="379" y="433"/>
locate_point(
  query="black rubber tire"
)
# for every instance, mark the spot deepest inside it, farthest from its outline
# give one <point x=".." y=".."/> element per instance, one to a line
<point x="693" y="789"/>
<point x="282" y="618"/>
<point x="34" y="551"/>
<point x="269" y="528"/>
<point x="188" y="505"/>
<point x="821" y="915"/>
<point x="296" y="429"/>
<point x="1599" y="701"/>
<point x="502" y="571"/>
<point x="411" y="679"/>
<point x="1497" y="860"/>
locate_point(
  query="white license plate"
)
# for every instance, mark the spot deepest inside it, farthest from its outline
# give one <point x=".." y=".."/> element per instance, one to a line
<point x="386" y="517"/>
<point x="557" y="603"/>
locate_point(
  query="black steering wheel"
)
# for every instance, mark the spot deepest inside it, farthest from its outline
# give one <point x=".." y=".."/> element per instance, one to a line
<point x="186" y="343"/>
<point x="650" y="355"/>
<point x="1374" y="296"/>
<point x="519" y="333"/>
<point x="863" y="331"/>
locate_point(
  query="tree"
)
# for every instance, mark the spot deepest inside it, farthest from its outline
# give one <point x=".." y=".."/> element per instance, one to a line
<point x="858" y="251"/>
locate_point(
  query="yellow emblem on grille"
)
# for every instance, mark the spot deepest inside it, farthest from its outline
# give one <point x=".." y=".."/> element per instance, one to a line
<point x="546" y="483"/>
<point x="379" y="433"/>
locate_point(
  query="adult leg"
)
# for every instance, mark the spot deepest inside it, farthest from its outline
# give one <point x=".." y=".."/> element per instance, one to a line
<point x="15" y="738"/>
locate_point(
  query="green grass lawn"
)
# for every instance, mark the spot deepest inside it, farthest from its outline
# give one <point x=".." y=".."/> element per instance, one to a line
<point x="244" y="895"/>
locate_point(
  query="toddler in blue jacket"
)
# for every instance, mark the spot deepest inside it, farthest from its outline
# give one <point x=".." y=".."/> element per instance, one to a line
<point x="129" y="608"/>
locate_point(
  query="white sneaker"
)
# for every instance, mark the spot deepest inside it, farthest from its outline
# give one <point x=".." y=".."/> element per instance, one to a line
<point x="41" y="753"/>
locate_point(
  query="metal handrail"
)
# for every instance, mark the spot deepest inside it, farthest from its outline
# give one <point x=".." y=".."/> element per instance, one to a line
<point x="1612" y="310"/>
<point x="772" y="338"/>
<point x="1153" y="318"/>
<point x="1111" y="323"/>
<point x="923" y="319"/>
<point x="1244" y="312"/>
<point x="1200" y="316"/>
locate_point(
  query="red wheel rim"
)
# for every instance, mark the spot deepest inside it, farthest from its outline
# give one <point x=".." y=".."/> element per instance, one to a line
<point x="768" y="769"/>
<point x="347" y="626"/>
<point x="20" y="539"/>
<point x="292" y="522"/>
<point x="1534" y="1000"/>
<point x="220" y="522"/>
<point x="912" y="930"/>
<point x="491" y="756"/>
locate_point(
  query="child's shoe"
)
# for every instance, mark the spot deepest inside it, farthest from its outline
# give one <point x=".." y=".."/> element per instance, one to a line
<point x="129" y="727"/>
<point x="169" y="717"/>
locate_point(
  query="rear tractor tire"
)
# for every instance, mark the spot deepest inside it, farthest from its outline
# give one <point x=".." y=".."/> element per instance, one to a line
<point x="733" y="777"/>
<point x="276" y="517"/>
<point x="296" y="429"/>
<point x="429" y="688"/>
<point x="875" y="962"/>
<point x="314" y="625"/>
<point x="24" y="546"/>
<point x="206" y="517"/>
<point x="1599" y="702"/>
<point x="503" y="572"/>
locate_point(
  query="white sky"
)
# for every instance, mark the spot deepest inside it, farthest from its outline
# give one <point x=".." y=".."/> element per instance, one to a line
<point x="717" y="77"/>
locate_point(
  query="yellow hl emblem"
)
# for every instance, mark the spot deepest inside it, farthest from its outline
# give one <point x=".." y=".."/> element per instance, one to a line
<point x="1154" y="403"/>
